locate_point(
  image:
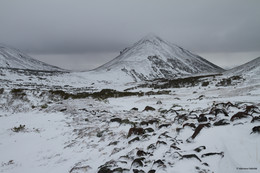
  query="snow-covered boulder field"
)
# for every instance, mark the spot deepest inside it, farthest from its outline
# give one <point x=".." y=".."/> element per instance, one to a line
<point x="201" y="124"/>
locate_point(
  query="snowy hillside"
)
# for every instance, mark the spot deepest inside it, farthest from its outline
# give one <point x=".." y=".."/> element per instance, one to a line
<point x="249" y="71"/>
<point x="249" y="68"/>
<point x="13" y="58"/>
<point x="152" y="57"/>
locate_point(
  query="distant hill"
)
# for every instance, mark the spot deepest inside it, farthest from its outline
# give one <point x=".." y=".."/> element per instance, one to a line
<point x="13" y="58"/>
<point x="249" y="68"/>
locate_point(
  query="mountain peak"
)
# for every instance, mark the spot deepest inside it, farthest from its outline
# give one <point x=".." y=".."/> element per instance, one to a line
<point x="151" y="58"/>
<point x="150" y="38"/>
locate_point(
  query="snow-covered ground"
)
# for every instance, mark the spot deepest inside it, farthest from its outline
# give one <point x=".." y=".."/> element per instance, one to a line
<point x="44" y="133"/>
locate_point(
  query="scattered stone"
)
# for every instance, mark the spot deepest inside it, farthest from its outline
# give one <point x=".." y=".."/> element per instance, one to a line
<point x="176" y="141"/>
<point x="159" y="102"/>
<point x="136" y="131"/>
<point x="145" y="136"/>
<point x="204" y="84"/>
<point x="149" y="130"/>
<point x="133" y="140"/>
<point x="100" y="134"/>
<point x="149" y="122"/>
<point x="153" y="121"/>
<point x="192" y="125"/>
<point x="126" y="121"/>
<point x="144" y="123"/>
<point x="113" y="143"/>
<point x="222" y="122"/>
<point x="151" y="147"/>
<point x="162" y="111"/>
<point x="200" y="148"/>
<point x="118" y="120"/>
<point x="105" y="169"/>
<point x="164" y="125"/>
<point x="141" y="153"/>
<point x="255" y="119"/>
<point x="239" y="115"/>
<point x="206" y="164"/>
<point x="252" y="109"/>
<point x="138" y="162"/>
<point x="18" y="129"/>
<point x="198" y="129"/>
<point x="190" y="156"/>
<point x="212" y="154"/>
<point x="134" y="109"/>
<point x="149" y="108"/>
<point x="224" y="105"/>
<point x="160" y="143"/>
<point x="164" y="135"/>
<point x="180" y="118"/>
<point x="178" y="130"/>
<point x="215" y="111"/>
<point x="256" y="129"/>
<point x="83" y="109"/>
<point x="175" y="147"/>
<point x="10" y="162"/>
<point x="202" y="118"/>
<point x="63" y="110"/>
<point x="1" y="91"/>
<point x="121" y="170"/>
<point x="138" y="171"/>
<point x="76" y="169"/>
<point x="201" y="97"/>
<point x="159" y="163"/>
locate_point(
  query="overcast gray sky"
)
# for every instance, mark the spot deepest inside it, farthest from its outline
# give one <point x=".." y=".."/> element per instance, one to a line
<point x="83" y="34"/>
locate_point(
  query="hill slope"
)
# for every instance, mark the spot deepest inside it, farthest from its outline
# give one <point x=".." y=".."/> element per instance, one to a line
<point x="13" y="58"/>
<point x="249" y="68"/>
<point x="152" y="57"/>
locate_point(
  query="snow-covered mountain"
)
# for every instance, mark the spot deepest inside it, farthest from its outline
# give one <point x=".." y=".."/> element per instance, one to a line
<point x="13" y="58"/>
<point x="152" y="57"/>
<point x="249" y="68"/>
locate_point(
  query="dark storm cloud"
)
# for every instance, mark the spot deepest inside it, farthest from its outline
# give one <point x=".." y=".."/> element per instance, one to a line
<point x="82" y="26"/>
